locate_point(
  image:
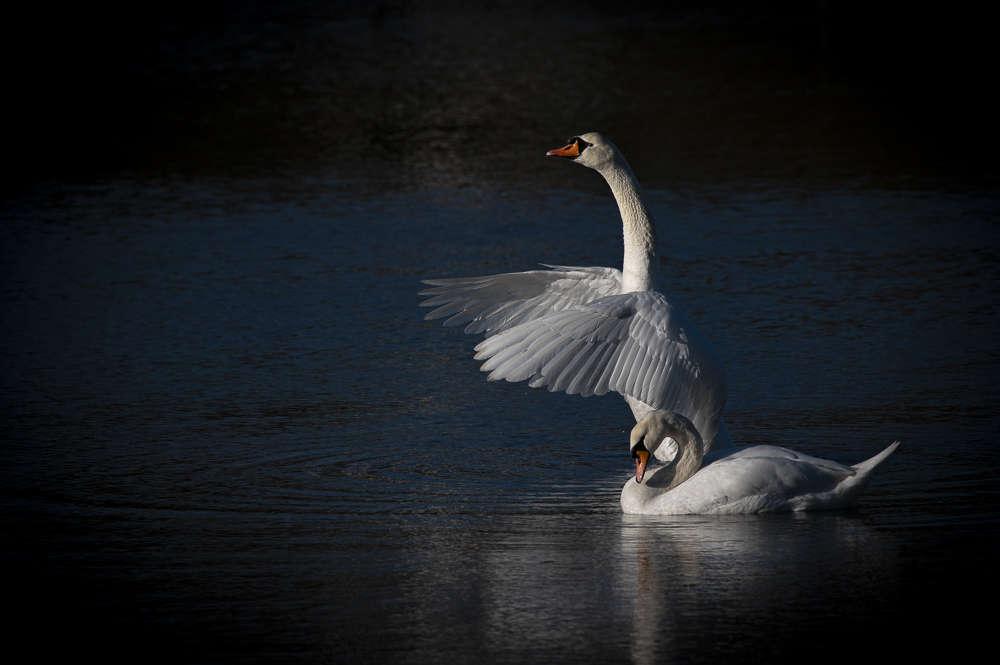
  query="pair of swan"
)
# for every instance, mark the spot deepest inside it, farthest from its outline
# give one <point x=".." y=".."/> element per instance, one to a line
<point x="756" y="479"/>
<point x="594" y="330"/>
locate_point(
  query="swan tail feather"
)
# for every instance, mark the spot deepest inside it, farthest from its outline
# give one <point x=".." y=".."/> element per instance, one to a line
<point x="868" y="466"/>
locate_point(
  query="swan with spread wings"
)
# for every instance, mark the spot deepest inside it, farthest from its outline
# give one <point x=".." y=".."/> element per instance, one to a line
<point x="591" y="330"/>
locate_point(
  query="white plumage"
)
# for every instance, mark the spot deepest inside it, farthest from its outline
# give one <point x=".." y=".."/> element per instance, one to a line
<point x="756" y="479"/>
<point x="592" y="330"/>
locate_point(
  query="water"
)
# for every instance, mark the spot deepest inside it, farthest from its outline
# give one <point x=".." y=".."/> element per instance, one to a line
<point x="230" y="436"/>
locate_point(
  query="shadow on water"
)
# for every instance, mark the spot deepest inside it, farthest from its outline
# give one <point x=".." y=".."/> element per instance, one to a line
<point x="229" y="435"/>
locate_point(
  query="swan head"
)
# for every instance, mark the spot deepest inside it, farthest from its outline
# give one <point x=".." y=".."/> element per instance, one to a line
<point x="590" y="149"/>
<point x="654" y="428"/>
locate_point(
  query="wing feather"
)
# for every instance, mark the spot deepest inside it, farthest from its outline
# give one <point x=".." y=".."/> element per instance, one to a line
<point x="586" y="376"/>
<point x="571" y="328"/>
<point x="638" y="344"/>
<point x="496" y="303"/>
<point x="603" y="383"/>
<point x="625" y="363"/>
<point x="564" y="371"/>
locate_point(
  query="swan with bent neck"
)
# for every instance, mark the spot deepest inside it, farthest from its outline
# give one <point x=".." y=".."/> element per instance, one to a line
<point x="591" y="330"/>
<point x="755" y="479"/>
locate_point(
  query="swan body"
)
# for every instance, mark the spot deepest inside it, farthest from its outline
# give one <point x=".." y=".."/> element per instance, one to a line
<point x="756" y="479"/>
<point x="591" y="330"/>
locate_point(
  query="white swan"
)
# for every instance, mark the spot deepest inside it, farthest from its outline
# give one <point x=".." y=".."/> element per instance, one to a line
<point x="757" y="479"/>
<point x="592" y="330"/>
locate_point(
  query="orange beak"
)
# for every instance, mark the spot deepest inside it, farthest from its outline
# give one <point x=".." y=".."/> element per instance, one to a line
<point x="571" y="151"/>
<point x="641" y="458"/>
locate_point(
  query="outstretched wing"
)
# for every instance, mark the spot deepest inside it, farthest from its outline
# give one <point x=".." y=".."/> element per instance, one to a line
<point x="496" y="303"/>
<point x="638" y="344"/>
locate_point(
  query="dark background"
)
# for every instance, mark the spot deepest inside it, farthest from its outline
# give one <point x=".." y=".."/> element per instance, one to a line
<point x="362" y="87"/>
<point x="229" y="436"/>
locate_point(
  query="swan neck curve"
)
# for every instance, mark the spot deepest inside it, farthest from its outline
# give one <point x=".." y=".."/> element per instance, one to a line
<point x="640" y="268"/>
<point x="688" y="458"/>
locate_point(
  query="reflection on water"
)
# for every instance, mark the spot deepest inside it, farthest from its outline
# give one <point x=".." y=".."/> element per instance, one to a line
<point x="752" y="578"/>
<point x="607" y="587"/>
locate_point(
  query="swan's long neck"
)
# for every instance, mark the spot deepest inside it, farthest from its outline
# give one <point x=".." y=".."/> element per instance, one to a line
<point x="641" y="267"/>
<point x="689" y="457"/>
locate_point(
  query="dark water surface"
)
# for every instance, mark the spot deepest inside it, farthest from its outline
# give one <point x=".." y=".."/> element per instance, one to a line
<point x="228" y="434"/>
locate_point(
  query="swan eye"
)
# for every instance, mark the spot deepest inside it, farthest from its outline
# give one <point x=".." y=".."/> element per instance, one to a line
<point x="581" y="145"/>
